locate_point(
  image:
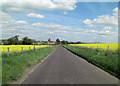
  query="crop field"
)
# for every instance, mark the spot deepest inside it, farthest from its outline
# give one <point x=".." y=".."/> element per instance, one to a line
<point x="104" y="46"/>
<point x="19" y="48"/>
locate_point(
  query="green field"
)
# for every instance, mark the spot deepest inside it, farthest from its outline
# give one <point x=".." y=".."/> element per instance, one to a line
<point x="14" y="65"/>
<point x="105" y="59"/>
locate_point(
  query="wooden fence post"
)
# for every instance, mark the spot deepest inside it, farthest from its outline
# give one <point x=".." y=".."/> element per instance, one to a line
<point x="108" y="47"/>
<point x="107" y="51"/>
<point x="8" y="50"/>
<point x="97" y="46"/>
<point x="29" y="48"/>
<point x="22" y="49"/>
<point x="97" y="49"/>
<point x="34" y="47"/>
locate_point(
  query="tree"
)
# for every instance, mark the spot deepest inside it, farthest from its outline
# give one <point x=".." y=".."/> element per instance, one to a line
<point x="49" y="40"/>
<point x="13" y="40"/>
<point x="33" y="40"/>
<point x="16" y="40"/>
<point x="26" y="41"/>
<point x="57" y="41"/>
<point x="64" y="42"/>
<point x="16" y="37"/>
<point x="10" y="41"/>
<point x="79" y="42"/>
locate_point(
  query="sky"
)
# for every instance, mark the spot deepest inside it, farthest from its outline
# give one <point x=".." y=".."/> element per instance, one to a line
<point x="67" y="20"/>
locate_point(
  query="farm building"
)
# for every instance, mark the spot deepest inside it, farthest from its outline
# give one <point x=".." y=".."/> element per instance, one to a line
<point x="52" y="43"/>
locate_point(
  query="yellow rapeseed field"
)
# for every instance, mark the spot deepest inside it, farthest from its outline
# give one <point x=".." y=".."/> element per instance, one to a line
<point x="104" y="46"/>
<point x="20" y="48"/>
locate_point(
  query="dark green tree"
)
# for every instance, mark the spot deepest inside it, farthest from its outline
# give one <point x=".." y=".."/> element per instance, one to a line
<point x="49" y="40"/>
<point x="64" y="42"/>
<point x="57" y="41"/>
<point x="13" y="40"/>
<point x="10" y="41"/>
<point x="26" y="41"/>
<point x="16" y="40"/>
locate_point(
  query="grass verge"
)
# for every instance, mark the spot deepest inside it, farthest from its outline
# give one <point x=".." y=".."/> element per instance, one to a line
<point x="106" y="60"/>
<point x="0" y="69"/>
<point x="14" y="65"/>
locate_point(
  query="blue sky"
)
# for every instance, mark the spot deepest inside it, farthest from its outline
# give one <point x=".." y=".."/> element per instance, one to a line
<point x="75" y="21"/>
<point x="83" y="11"/>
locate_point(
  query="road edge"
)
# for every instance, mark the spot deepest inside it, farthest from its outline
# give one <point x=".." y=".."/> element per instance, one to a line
<point x="92" y="64"/>
<point x="26" y="74"/>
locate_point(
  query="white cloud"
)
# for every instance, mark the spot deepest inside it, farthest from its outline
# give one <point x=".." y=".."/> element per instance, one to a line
<point x="92" y="25"/>
<point x="64" y="31"/>
<point x="76" y="33"/>
<point x="93" y="31"/>
<point x="35" y="15"/>
<point x="107" y="28"/>
<point x="21" y="22"/>
<point x="107" y="31"/>
<point x="52" y="26"/>
<point x="60" y="31"/>
<point x="43" y="31"/>
<point x="36" y="5"/>
<point x="49" y="32"/>
<point x="104" y="20"/>
<point x="106" y="25"/>
<point x="12" y="27"/>
<point x="103" y="36"/>
<point x="47" y="25"/>
<point x="87" y="21"/>
<point x="115" y="11"/>
<point x="5" y="18"/>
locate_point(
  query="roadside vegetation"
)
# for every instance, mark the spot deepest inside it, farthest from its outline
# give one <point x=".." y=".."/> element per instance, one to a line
<point x="13" y="65"/>
<point x="0" y="69"/>
<point x="108" y="60"/>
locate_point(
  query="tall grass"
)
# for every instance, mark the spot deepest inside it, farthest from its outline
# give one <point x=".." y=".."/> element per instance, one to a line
<point x="0" y="69"/>
<point x="105" y="59"/>
<point x="14" y="65"/>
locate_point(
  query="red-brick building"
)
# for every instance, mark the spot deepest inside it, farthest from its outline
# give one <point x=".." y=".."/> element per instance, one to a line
<point x="52" y="43"/>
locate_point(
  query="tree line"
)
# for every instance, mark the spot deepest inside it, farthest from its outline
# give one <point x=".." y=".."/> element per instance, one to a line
<point x="15" y="41"/>
<point x="27" y="41"/>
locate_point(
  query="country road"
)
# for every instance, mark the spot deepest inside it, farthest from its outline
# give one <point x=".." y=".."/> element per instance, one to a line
<point x="63" y="67"/>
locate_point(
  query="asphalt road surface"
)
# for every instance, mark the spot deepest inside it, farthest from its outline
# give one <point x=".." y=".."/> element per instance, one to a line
<point x="63" y="67"/>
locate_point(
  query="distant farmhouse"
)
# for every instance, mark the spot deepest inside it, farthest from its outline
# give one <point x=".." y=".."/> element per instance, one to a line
<point x="39" y="43"/>
<point x="52" y="43"/>
<point x="44" y="43"/>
